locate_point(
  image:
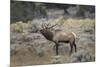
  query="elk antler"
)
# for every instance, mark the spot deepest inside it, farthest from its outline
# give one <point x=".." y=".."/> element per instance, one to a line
<point x="45" y="25"/>
<point x="53" y="26"/>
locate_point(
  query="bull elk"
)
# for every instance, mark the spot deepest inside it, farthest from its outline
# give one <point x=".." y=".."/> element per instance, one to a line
<point x="59" y="36"/>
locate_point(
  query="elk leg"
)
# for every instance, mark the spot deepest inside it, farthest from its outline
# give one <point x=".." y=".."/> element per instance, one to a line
<point x="71" y="48"/>
<point x="57" y="45"/>
<point x="75" y="47"/>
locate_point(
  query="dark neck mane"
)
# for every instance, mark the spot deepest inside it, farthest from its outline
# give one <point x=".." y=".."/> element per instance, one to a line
<point x="47" y="34"/>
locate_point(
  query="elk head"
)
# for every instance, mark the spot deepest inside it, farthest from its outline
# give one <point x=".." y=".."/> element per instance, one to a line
<point x="46" y="31"/>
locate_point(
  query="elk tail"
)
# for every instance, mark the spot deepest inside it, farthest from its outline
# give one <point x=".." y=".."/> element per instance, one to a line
<point x="74" y="34"/>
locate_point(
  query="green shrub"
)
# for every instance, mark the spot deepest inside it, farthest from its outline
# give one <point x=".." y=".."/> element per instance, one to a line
<point x="88" y="31"/>
<point x="82" y="56"/>
<point x="39" y="51"/>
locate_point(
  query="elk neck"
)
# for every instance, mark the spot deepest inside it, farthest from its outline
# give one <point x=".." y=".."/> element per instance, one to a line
<point x="47" y="34"/>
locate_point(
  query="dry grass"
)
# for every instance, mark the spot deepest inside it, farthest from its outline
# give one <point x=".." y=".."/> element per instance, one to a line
<point x="35" y="49"/>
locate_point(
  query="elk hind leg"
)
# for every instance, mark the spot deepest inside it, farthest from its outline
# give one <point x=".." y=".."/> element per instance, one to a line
<point x="71" y="48"/>
<point x="74" y="44"/>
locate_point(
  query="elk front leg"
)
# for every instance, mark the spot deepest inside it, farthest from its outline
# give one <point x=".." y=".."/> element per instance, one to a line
<point x="57" y="47"/>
